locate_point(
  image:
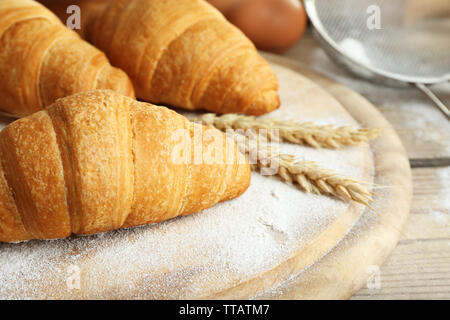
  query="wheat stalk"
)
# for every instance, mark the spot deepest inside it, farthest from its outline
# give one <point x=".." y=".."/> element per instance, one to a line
<point x="307" y="133"/>
<point x="307" y="175"/>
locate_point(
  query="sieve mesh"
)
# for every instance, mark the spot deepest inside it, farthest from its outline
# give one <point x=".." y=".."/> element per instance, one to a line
<point x="412" y="44"/>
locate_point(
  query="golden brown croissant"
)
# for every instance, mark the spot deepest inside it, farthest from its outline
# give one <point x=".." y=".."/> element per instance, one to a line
<point x="184" y="53"/>
<point x="42" y="60"/>
<point x="98" y="161"/>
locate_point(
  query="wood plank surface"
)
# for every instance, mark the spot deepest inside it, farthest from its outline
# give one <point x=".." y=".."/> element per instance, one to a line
<point x="416" y="270"/>
<point x="419" y="267"/>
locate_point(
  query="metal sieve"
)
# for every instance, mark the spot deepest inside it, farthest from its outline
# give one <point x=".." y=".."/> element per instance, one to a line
<point x="392" y="42"/>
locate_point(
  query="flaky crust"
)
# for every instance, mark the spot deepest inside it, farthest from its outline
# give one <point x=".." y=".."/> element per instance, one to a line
<point x="41" y="60"/>
<point x="98" y="161"/>
<point x="186" y="54"/>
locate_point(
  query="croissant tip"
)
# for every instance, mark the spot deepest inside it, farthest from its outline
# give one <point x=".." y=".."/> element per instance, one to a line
<point x="117" y="80"/>
<point x="265" y="103"/>
<point x="241" y="182"/>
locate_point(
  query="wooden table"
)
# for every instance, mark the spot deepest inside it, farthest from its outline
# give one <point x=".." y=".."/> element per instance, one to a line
<point x="419" y="268"/>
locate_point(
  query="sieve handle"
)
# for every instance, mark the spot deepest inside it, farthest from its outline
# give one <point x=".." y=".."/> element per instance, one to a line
<point x="434" y="98"/>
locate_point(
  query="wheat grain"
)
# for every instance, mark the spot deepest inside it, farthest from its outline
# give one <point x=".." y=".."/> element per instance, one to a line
<point x="307" y="175"/>
<point x="307" y="133"/>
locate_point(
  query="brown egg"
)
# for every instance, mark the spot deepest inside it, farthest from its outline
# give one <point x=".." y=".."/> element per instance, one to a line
<point x="272" y="25"/>
<point x="223" y="6"/>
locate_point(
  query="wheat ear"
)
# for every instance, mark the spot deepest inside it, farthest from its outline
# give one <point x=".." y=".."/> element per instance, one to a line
<point x="307" y="175"/>
<point x="300" y="133"/>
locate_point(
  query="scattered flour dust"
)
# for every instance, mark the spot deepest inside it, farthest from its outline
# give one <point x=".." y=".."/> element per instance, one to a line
<point x="444" y="175"/>
<point x="196" y="255"/>
<point x="442" y="216"/>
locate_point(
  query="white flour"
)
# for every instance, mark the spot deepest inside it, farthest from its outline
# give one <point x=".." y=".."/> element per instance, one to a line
<point x="200" y="254"/>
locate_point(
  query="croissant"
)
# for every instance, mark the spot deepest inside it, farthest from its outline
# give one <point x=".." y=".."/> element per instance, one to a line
<point x="42" y="60"/>
<point x="184" y="53"/>
<point x="98" y="161"/>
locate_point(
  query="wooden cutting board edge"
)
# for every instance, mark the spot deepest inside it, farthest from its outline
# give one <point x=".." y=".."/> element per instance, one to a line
<point x="358" y="256"/>
<point x="321" y="243"/>
<point x="309" y="272"/>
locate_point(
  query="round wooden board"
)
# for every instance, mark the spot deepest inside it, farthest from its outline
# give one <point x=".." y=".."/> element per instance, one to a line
<point x="359" y="255"/>
<point x="191" y="257"/>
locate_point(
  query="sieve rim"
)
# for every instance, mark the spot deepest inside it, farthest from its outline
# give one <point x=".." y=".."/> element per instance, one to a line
<point x="328" y="41"/>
